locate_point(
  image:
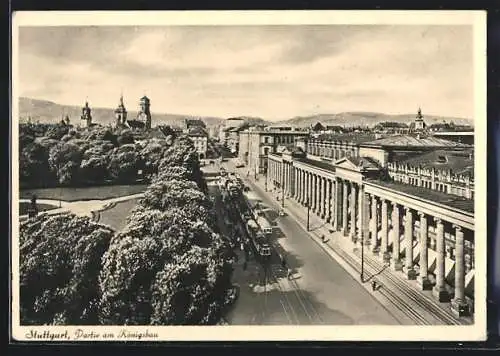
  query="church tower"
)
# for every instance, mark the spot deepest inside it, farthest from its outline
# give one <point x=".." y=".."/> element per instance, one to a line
<point x="144" y="112"/>
<point x="121" y="113"/>
<point x="419" y="121"/>
<point x="87" y="114"/>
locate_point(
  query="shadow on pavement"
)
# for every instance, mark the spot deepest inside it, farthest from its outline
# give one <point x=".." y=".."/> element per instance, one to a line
<point x="280" y="302"/>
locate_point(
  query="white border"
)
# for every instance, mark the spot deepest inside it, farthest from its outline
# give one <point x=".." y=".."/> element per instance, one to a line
<point x="474" y="332"/>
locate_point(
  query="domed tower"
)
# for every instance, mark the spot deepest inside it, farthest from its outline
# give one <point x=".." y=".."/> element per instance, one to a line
<point x="144" y="112"/>
<point x="121" y="113"/>
<point x="419" y="121"/>
<point x="87" y="114"/>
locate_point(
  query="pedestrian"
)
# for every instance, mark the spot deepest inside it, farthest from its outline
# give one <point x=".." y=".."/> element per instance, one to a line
<point x="289" y="273"/>
<point x="323" y="238"/>
<point x="374" y="285"/>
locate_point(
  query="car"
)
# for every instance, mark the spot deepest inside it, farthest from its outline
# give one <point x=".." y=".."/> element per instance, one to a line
<point x="239" y="165"/>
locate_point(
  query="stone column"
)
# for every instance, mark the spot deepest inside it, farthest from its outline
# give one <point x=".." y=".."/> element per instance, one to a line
<point x="318" y="195"/>
<point x="374" y="225"/>
<point x="396" y="220"/>
<point x="329" y="201"/>
<point x="306" y="190"/>
<point x="344" y="208"/>
<point x="287" y="179"/>
<point x="313" y="192"/>
<point x="324" y="199"/>
<point x="439" y="289"/>
<point x="353" y="211"/>
<point x="334" y="203"/>
<point x="410" y="272"/>
<point x="366" y="218"/>
<point x="458" y="304"/>
<point x="361" y="213"/>
<point x="384" y="231"/>
<point x="338" y="205"/>
<point x="319" y="211"/>
<point x="423" y="279"/>
<point x="299" y="185"/>
<point x="300" y="194"/>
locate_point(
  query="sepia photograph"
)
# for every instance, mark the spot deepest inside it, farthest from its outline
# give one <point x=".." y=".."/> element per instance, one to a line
<point x="248" y="175"/>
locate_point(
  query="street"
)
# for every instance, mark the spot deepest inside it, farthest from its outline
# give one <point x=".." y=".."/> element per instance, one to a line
<point x="319" y="292"/>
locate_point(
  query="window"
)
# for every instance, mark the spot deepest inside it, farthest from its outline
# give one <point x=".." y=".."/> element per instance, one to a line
<point x="266" y="139"/>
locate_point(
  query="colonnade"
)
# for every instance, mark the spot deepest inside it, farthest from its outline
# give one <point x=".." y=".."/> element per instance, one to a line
<point x="398" y="234"/>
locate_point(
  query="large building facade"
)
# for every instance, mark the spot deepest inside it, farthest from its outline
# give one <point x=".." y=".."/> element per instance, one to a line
<point x="425" y="234"/>
<point x="256" y="143"/>
<point x="200" y="140"/>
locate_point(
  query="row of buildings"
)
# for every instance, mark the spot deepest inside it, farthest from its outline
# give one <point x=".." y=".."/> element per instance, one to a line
<point x="410" y="197"/>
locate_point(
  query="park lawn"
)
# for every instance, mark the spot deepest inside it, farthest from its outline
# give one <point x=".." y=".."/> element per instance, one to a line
<point x="116" y="216"/>
<point x="23" y="207"/>
<point x="84" y="193"/>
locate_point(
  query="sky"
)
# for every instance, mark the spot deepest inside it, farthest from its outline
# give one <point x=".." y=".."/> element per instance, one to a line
<point x="273" y="72"/>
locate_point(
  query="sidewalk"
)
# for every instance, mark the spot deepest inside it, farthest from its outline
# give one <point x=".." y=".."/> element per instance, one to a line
<point x="395" y="293"/>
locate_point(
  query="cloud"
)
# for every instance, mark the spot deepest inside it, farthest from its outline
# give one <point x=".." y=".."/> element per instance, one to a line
<point x="267" y="71"/>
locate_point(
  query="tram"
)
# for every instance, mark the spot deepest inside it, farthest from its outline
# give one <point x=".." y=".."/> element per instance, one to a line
<point x="259" y="240"/>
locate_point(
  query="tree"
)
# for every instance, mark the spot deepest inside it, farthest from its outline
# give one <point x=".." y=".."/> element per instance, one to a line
<point x="163" y="195"/>
<point x="60" y="264"/>
<point x="191" y="290"/>
<point x="33" y="165"/>
<point x="173" y="172"/>
<point x="149" y="251"/>
<point x="183" y="154"/>
<point x="125" y="138"/>
<point x="65" y="159"/>
<point x="57" y="131"/>
<point x="151" y="155"/>
<point x="123" y="164"/>
<point x="94" y="169"/>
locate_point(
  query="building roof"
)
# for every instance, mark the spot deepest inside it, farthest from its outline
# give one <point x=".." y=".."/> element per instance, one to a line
<point x="453" y="201"/>
<point x="136" y="124"/>
<point x="197" y="122"/>
<point x="349" y="137"/>
<point x="319" y="164"/>
<point x="364" y="162"/>
<point x="197" y="131"/>
<point x="459" y="162"/>
<point x="413" y="141"/>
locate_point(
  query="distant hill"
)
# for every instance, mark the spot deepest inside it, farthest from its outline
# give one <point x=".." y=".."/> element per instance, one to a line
<point x="368" y="119"/>
<point x="50" y="112"/>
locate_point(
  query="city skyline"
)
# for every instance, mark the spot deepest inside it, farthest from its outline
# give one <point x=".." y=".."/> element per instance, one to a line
<point x="234" y="70"/>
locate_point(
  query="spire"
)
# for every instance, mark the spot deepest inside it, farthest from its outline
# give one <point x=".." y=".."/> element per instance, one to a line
<point x="419" y="113"/>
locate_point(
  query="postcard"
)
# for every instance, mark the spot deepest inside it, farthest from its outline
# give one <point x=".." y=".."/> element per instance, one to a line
<point x="248" y="175"/>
